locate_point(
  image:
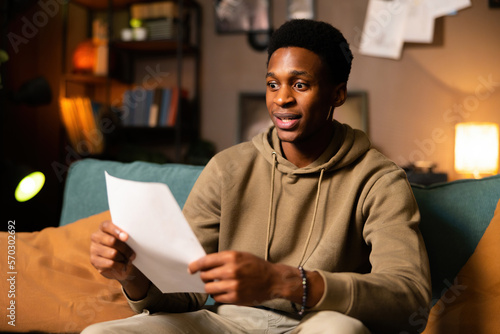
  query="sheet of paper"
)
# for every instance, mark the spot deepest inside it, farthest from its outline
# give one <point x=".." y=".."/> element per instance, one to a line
<point x="445" y="7"/>
<point x="420" y="22"/>
<point x="158" y="232"/>
<point x="384" y="28"/>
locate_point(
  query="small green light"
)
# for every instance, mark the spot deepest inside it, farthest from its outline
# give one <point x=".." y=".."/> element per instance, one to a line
<point x="135" y="23"/>
<point x="29" y="186"/>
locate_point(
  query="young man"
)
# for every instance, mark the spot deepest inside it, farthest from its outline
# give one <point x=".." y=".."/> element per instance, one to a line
<point x="307" y="228"/>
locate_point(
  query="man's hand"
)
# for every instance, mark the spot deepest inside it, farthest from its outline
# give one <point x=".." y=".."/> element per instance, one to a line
<point x="112" y="257"/>
<point x="244" y="279"/>
<point x="109" y="253"/>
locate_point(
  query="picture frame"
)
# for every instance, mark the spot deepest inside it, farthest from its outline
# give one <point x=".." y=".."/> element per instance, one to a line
<point x="254" y="118"/>
<point x="354" y="111"/>
<point x="301" y="9"/>
<point x="238" y="16"/>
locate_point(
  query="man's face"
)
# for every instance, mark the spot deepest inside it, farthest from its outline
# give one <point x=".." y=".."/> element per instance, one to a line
<point x="299" y="95"/>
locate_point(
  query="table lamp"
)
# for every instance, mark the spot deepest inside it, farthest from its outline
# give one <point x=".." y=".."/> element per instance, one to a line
<point x="476" y="148"/>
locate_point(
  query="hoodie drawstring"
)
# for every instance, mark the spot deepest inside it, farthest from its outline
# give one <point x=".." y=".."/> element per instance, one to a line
<point x="313" y="218"/>
<point x="271" y="200"/>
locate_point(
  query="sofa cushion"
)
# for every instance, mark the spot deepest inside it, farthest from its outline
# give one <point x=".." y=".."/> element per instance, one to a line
<point x="454" y="218"/>
<point x="85" y="188"/>
<point x="57" y="290"/>
<point x="471" y="305"/>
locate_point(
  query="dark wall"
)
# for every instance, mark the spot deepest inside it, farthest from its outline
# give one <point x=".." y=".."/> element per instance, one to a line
<point x="32" y="135"/>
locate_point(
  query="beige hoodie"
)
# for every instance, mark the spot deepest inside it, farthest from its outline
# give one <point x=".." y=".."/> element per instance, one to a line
<point x="350" y="215"/>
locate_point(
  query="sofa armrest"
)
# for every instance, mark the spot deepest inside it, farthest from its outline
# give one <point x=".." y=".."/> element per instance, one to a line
<point x="454" y="217"/>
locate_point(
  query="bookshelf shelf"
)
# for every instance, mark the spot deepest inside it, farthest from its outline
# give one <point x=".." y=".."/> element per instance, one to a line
<point x="144" y="133"/>
<point x="165" y="46"/>
<point x="153" y="136"/>
<point x="87" y="79"/>
<point x="115" y="4"/>
<point x="103" y="4"/>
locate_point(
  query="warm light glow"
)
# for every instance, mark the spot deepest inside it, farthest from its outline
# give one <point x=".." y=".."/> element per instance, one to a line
<point x="476" y="148"/>
<point x="29" y="186"/>
<point x="84" y="57"/>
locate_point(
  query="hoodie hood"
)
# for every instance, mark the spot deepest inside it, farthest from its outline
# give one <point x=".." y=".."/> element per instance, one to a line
<point x="347" y="146"/>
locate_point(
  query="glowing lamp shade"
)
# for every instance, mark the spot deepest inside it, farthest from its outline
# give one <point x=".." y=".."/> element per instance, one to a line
<point x="84" y="57"/>
<point x="476" y="148"/>
<point x="29" y="186"/>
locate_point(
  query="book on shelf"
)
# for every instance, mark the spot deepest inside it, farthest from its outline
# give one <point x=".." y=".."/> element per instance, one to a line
<point x="80" y="121"/>
<point x="154" y="10"/>
<point x="164" y="106"/>
<point x="152" y="107"/>
<point x="159" y="17"/>
<point x="178" y="95"/>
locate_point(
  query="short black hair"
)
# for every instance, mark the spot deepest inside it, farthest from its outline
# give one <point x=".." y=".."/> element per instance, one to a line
<point x="319" y="37"/>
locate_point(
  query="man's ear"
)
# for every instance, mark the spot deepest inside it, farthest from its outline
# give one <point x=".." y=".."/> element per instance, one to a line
<point x="340" y="94"/>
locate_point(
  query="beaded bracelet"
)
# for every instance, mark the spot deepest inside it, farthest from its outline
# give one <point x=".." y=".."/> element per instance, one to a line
<point x="304" y="293"/>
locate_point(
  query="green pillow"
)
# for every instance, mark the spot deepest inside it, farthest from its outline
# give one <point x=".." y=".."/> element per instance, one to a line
<point x="454" y="218"/>
<point x="85" y="189"/>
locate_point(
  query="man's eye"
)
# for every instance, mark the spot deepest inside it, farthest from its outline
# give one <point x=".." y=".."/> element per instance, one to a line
<point x="300" y="85"/>
<point x="272" y="85"/>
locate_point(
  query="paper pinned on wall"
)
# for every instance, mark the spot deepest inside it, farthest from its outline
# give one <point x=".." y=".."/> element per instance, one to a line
<point x="391" y="23"/>
<point x="384" y="28"/>
<point x="445" y="7"/>
<point x="158" y="233"/>
<point x="420" y="22"/>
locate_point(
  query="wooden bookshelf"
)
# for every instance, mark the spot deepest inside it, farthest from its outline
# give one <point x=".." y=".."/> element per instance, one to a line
<point x="123" y="57"/>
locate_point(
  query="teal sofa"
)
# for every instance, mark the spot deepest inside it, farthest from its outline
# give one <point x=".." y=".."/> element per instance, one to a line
<point x="454" y="214"/>
<point x="63" y="293"/>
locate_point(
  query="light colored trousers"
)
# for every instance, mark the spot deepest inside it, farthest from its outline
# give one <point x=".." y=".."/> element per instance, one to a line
<point x="231" y="319"/>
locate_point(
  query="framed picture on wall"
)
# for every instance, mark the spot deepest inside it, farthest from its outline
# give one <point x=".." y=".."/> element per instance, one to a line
<point x="236" y="16"/>
<point x="354" y="111"/>
<point x="494" y="3"/>
<point x="300" y="9"/>
<point x="254" y="118"/>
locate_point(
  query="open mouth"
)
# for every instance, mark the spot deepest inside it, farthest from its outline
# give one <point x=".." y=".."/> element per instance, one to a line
<point x="287" y="121"/>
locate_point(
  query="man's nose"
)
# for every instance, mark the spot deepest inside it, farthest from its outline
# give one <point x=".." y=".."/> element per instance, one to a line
<point x="284" y="96"/>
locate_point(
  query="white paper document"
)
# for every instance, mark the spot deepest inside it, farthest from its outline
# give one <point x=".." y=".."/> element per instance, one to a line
<point x="158" y="233"/>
